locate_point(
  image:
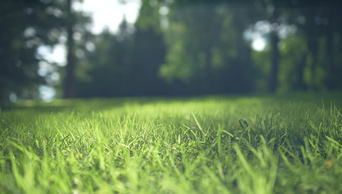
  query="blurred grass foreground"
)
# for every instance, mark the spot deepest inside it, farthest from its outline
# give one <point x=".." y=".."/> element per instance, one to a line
<point x="129" y="121"/>
<point x="213" y="144"/>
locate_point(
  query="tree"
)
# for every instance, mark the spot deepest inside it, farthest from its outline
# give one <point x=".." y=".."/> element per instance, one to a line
<point x="127" y="63"/>
<point x="30" y="25"/>
<point x="206" y="48"/>
<point x="75" y="23"/>
<point x="148" y="51"/>
<point x="274" y="40"/>
<point x="332" y="34"/>
<point x="69" y="82"/>
<point x="317" y="23"/>
<point x="106" y="69"/>
<point x="26" y="24"/>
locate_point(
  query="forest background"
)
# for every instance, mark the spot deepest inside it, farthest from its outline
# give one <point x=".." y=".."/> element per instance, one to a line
<point x="174" y="48"/>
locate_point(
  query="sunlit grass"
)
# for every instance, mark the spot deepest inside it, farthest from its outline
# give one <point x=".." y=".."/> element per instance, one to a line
<point x="290" y="144"/>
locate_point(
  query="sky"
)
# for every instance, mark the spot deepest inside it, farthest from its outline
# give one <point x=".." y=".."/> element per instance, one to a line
<point x="109" y="13"/>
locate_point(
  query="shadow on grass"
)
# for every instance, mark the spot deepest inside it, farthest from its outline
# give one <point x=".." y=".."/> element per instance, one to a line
<point x="62" y="105"/>
<point x="99" y="104"/>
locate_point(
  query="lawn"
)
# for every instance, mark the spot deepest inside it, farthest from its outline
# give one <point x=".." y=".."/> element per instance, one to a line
<point x="213" y="144"/>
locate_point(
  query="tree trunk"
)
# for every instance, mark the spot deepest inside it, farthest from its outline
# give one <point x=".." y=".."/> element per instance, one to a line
<point x="330" y="52"/>
<point x="274" y="39"/>
<point x="69" y="82"/>
<point x="312" y="36"/>
<point x="209" y="72"/>
<point x="301" y="66"/>
<point x="312" y="44"/>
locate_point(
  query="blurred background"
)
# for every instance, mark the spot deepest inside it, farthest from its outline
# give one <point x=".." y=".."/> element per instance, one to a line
<point x="109" y="48"/>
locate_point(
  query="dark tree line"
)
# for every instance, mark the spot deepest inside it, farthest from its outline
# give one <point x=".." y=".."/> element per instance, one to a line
<point x="179" y="47"/>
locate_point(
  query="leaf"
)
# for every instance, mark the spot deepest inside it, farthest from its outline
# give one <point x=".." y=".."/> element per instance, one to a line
<point x="243" y="123"/>
<point x="198" y="124"/>
<point x="333" y="141"/>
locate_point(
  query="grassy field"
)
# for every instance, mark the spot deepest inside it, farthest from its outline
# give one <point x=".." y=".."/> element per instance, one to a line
<point x="214" y="144"/>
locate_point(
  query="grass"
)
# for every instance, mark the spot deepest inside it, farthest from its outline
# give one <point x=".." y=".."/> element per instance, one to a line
<point x="218" y="144"/>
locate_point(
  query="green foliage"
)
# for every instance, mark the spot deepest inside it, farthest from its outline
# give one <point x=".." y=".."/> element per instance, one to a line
<point x="205" y="46"/>
<point x="112" y="67"/>
<point x="149" y="16"/>
<point x="293" y="53"/>
<point x="217" y="144"/>
<point x="263" y="65"/>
